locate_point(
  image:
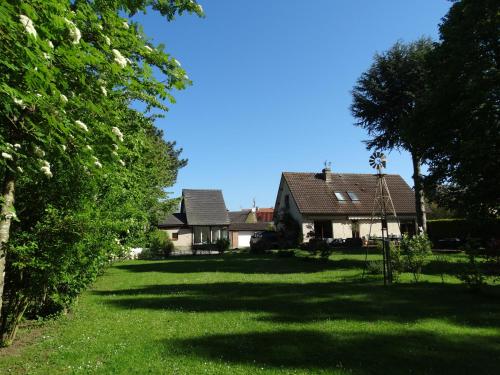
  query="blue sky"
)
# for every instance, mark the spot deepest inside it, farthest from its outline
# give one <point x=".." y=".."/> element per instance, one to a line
<point x="271" y="87"/>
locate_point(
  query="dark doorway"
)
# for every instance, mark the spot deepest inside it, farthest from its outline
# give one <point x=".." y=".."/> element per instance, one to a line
<point x="408" y="228"/>
<point x="355" y="229"/>
<point x="323" y="229"/>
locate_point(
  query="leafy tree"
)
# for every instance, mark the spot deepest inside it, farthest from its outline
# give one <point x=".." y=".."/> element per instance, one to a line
<point x="69" y="72"/>
<point x="387" y="101"/>
<point x="463" y="127"/>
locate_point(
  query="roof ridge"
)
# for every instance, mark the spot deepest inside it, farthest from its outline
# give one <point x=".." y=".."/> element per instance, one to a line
<point x="344" y="173"/>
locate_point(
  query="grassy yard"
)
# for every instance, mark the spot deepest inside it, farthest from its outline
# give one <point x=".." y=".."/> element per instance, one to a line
<point x="244" y="314"/>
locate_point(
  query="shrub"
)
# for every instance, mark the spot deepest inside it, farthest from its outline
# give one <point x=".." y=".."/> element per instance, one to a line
<point x="461" y="228"/>
<point x="320" y="246"/>
<point x="160" y="245"/>
<point x="472" y="273"/>
<point x="415" y="251"/>
<point x="375" y="267"/>
<point x="222" y="245"/>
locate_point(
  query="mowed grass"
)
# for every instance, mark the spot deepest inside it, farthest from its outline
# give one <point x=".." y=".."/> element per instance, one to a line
<point x="246" y="314"/>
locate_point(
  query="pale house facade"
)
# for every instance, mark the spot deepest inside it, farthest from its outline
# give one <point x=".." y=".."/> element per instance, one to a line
<point x="331" y="205"/>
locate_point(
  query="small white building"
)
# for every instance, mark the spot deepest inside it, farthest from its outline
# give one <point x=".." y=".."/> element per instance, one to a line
<point x="331" y="205"/>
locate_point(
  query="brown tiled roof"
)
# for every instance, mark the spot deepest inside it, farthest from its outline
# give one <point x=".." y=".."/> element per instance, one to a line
<point x="314" y="195"/>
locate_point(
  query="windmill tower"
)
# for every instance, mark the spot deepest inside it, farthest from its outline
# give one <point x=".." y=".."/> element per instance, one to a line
<point x="383" y="208"/>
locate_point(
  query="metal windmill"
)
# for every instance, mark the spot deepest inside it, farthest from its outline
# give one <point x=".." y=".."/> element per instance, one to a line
<point x="383" y="208"/>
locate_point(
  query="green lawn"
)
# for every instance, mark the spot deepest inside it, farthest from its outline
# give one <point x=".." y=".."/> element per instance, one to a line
<point x="244" y="314"/>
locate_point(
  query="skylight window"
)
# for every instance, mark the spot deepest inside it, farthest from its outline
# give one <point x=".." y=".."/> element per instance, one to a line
<point x="353" y="196"/>
<point x="339" y="196"/>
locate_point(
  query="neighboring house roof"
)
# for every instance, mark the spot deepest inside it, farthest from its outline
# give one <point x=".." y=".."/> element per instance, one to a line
<point x="238" y="216"/>
<point x="314" y="195"/>
<point x="173" y="220"/>
<point x="249" y="226"/>
<point x="265" y="214"/>
<point x="204" y="207"/>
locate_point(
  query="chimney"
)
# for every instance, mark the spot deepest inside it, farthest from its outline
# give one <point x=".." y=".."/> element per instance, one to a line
<point x="327" y="172"/>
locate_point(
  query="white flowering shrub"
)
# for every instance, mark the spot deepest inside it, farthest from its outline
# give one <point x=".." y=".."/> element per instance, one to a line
<point x="68" y="72"/>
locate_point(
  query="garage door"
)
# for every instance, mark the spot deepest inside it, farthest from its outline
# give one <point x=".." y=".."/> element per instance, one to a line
<point x="244" y="239"/>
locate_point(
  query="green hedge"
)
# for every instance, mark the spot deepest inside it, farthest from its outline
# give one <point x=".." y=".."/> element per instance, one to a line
<point x="462" y="228"/>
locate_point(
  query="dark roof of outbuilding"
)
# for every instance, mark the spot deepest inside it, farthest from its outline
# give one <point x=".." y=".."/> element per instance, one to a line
<point x="238" y="216"/>
<point x="314" y="195"/>
<point x="204" y="207"/>
<point x="259" y="226"/>
<point x="173" y="220"/>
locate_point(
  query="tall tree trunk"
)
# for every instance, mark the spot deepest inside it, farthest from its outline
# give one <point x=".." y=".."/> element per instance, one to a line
<point x="419" y="192"/>
<point x="7" y="212"/>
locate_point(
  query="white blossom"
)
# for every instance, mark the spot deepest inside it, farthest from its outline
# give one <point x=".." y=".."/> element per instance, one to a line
<point x="89" y="147"/>
<point x="115" y="153"/>
<point x="46" y="171"/>
<point x="45" y="163"/>
<point x="46" y="55"/>
<point x="99" y="26"/>
<point x="20" y="169"/>
<point x="148" y="48"/>
<point x="28" y="25"/>
<point x="104" y="91"/>
<point x="51" y="45"/>
<point x="17" y="146"/>
<point x="115" y="146"/>
<point x="38" y="95"/>
<point x="39" y="152"/>
<point x="64" y="147"/>
<point x="108" y="41"/>
<point x="118" y="133"/>
<point x="200" y="8"/>
<point x="6" y="156"/>
<point x="82" y="125"/>
<point x="186" y="76"/>
<point x="176" y="62"/>
<point x="97" y="164"/>
<point x="74" y="32"/>
<point x="119" y="59"/>
<point x="125" y="24"/>
<point x="121" y="162"/>
<point x="19" y="102"/>
<point x="64" y="98"/>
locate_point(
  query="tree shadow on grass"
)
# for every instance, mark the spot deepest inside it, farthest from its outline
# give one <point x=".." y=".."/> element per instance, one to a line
<point x="415" y="352"/>
<point x="241" y="263"/>
<point x="293" y="302"/>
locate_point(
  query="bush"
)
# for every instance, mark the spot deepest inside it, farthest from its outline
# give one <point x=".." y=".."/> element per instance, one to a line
<point x="472" y="273"/>
<point x="160" y="245"/>
<point x="461" y="228"/>
<point x="222" y="245"/>
<point x="415" y="251"/>
<point x="320" y="246"/>
<point x="397" y="263"/>
<point x="375" y="267"/>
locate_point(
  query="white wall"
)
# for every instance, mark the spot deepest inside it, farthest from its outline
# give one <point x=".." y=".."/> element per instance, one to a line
<point x="185" y="239"/>
<point x="364" y="228"/>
